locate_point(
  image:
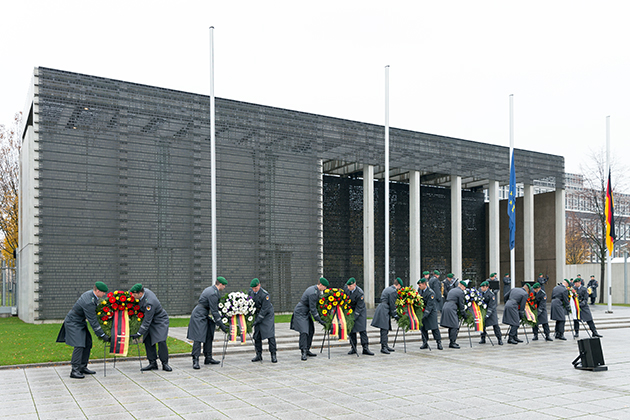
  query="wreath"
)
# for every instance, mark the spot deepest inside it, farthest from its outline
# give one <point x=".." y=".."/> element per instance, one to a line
<point x="119" y="301"/>
<point x="237" y="310"/>
<point x="530" y="315"/>
<point x="474" y="303"/>
<point x="333" y="302"/>
<point x="409" y="307"/>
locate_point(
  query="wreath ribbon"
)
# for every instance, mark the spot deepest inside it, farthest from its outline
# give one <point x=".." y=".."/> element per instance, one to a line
<point x="236" y="322"/>
<point x="339" y="324"/>
<point x="120" y="333"/>
<point x="529" y="314"/>
<point x="414" y="324"/>
<point x="479" y="321"/>
<point x="575" y="307"/>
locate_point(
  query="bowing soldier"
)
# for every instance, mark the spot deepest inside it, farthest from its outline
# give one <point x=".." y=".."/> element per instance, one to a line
<point x="357" y="304"/>
<point x="585" y="311"/>
<point x="540" y="299"/>
<point x="203" y="321"/>
<point x="491" y="313"/>
<point x="304" y="313"/>
<point x="74" y="331"/>
<point x="592" y="289"/>
<point x="514" y="310"/>
<point x="385" y="311"/>
<point x="264" y="323"/>
<point x="436" y="285"/>
<point x="154" y="327"/>
<point x="429" y="316"/>
<point x="454" y="305"/>
<point x="559" y="305"/>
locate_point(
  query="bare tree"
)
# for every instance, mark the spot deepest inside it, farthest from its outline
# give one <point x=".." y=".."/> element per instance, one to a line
<point x="576" y="245"/>
<point x="10" y="144"/>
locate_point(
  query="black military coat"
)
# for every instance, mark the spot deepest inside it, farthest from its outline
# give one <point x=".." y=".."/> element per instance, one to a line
<point x="455" y="302"/>
<point x="559" y="303"/>
<point x="386" y="309"/>
<point x="305" y="309"/>
<point x="491" y="311"/>
<point x="448" y="287"/>
<point x="514" y="308"/>
<point x="74" y="329"/>
<point x="200" y="320"/>
<point x="436" y="285"/>
<point x="585" y="310"/>
<point x="155" y="321"/>
<point x="357" y="303"/>
<point x="265" y="318"/>
<point x="540" y="299"/>
<point x="507" y="286"/>
<point x="429" y="317"/>
<point x="593" y="284"/>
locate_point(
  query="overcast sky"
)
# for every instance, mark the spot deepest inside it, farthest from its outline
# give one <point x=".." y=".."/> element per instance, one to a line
<point x="453" y="64"/>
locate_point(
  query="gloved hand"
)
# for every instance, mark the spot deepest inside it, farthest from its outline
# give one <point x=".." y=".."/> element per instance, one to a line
<point x="136" y="336"/>
<point x="321" y="322"/>
<point x="224" y="328"/>
<point x="106" y="338"/>
<point x="396" y="317"/>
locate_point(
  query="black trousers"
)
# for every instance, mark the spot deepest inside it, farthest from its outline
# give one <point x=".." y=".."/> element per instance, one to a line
<point x="207" y="345"/>
<point x="271" y="341"/>
<point x="591" y="325"/>
<point x="593" y="299"/>
<point x="513" y="331"/>
<point x="545" y="327"/>
<point x="496" y="329"/>
<point x="559" y="329"/>
<point x="306" y="339"/>
<point x="452" y="334"/>
<point x="436" y="335"/>
<point x="81" y="355"/>
<point x="152" y="355"/>
<point x="364" y="339"/>
<point x="384" y="338"/>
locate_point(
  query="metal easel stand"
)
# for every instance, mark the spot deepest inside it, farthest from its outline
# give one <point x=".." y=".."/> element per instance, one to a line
<point x="525" y="331"/>
<point x="225" y="343"/>
<point x="404" y="339"/>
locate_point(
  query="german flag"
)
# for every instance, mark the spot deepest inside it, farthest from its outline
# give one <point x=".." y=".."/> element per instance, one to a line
<point x="609" y="211"/>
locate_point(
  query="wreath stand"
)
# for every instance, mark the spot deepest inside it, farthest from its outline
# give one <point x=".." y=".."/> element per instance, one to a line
<point x="327" y="335"/>
<point x="136" y="342"/>
<point x="225" y="344"/>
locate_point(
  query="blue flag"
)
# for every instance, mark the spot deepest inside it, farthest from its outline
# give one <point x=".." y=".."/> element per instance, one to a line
<point x="512" y="203"/>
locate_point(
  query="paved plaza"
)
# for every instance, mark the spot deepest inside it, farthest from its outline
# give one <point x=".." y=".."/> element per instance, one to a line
<point x="526" y="381"/>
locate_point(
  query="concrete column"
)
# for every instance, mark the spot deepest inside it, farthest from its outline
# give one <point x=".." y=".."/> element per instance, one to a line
<point x="528" y="233"/>
<point x="560" y="237"/>
<point x="456" y="226"/>
<point x="493" y="231"/>
<point x="368" y="235"/>
<point x="414" y="228"/>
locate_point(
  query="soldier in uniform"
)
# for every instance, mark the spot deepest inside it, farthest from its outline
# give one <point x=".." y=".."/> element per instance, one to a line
<point x="542" y="280"/>
<point x="304" y="313"/>
<point x="579" y="277"/>
<point x="514" y="310"/>
<point x="559" y="305"/>
<point x="385" y="311"/>
<point x="592" y="287"/>
<point x="436" y="285"/>
<point x="540" y="299"/>
<point x="429" y="316"/>
<point x="357" y="304"/>
<point x="154" y="327"/>
<point x="491" y="313"/>
<point x="450" y="282"/>
<point x="264" y="323"/>
<point x="507" y="285"/>
<point x="74" y="331"/>
<point x="585" y="311"/>
<point x="453" y="305"/>
<point x="201" y="326"/>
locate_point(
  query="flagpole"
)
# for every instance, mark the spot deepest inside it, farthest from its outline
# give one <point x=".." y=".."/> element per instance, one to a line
<point x="513" y="250"/>
<point x="386" y="176"/>
<point x="609" y="257"/>
<point x="213" y="164"/>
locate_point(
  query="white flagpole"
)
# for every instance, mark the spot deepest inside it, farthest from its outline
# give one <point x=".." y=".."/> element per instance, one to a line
<point x="386" y="176"/>
<point x="609" y="257"/>
<point x="213" y="163"/>
<point x="513" y="250"/>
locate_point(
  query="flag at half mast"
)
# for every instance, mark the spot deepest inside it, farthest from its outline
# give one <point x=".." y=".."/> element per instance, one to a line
<point x="610" y="218"/>
<point x="512" y="203"/>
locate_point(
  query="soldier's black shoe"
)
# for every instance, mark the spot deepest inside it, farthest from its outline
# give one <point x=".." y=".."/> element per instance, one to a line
<point x="210" y="361"/>
<point x="512" y="341"/>
<point x="561" y="337"/>
<point x="150" y="366"/>
<point x="391" y="350"/>
<point x="87" y="371"/>
<point x="352" y="351"/>
<point x="439" y="345"/>
<point x="310" y="353"/>
<point x="273" y="358"/>
<point x="424" y="346"/>
<point x="258" y="358"/>
<point x="547" y="338"/>
<point x="596" y="334"/>
<point x="576" y="335"/>
<point x="76" y="374"/>
<point x="453" y="346"/>
<point x="196" y="363"/>
<point x="384" y="350"/>
<point x="483" y="339"/>
<point x="500" y="341"/>
<point x="166" y="367"/>
<point x="304" y="355"/>
<point x="518" y="340"/>
<point x="535" y="338"/>
<point x="368" y="352"/>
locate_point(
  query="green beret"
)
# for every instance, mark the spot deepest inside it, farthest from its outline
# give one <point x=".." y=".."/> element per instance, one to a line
<point x="136" y="288"/>
<point x="540" y="274"/>
<point x="464" y="282"/>
<point x="399" y="281"/>
<point x="101" y="286"/>
<point x="528" y="286"/>
<point x="507" y="274"/>
<point x="424" y="273"/>
<point x="484" y="283"/>
<point x="422" y="280"/>
<point x="222" y="280"/>
<point x="324" y="281"/>
<point x="436" y="272"/>
<point x="450" y="275"/>
<point x="493" y="274"/>
<point x="536" y="285"/>
<point x="350" y="281"/>
<point x="579" y="275"/>
<point x="254" y="283"/>
<point x="577" y="281"/>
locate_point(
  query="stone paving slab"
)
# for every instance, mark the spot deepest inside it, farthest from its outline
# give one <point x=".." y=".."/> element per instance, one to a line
<point x="533" y="380"/>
